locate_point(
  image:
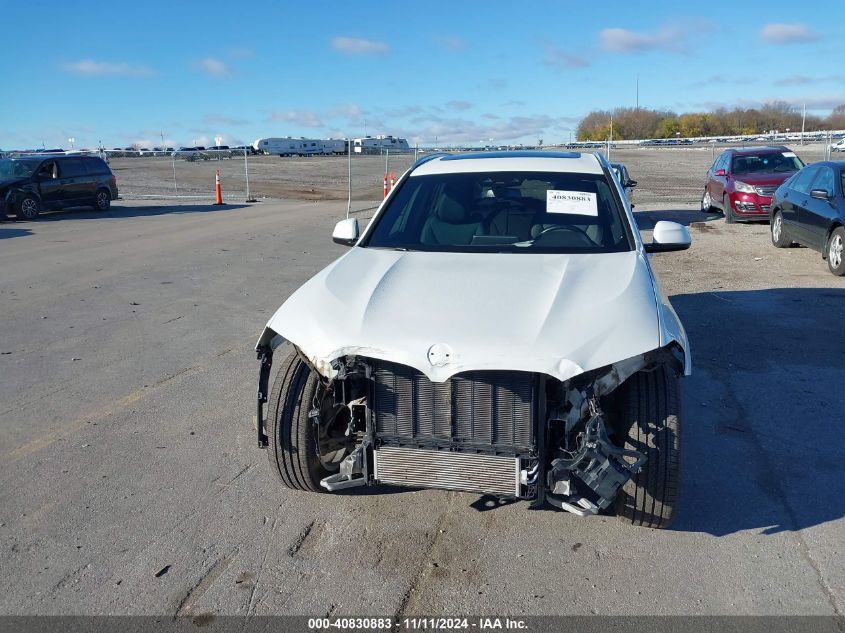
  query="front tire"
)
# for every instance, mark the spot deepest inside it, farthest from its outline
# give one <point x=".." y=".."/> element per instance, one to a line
<point x="29" y="208"/>
<point x="836" y="251"/>
<point x="730" y="218"/>
<point x="650" y="422"/>
<point x="292" y="446"/>
<point x="706" y="202"/>
<point x="779" y="236"/>
<point x="102" y="201"/>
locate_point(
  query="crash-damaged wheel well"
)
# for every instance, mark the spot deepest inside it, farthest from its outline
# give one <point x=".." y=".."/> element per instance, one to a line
<point x="567" y="438"/>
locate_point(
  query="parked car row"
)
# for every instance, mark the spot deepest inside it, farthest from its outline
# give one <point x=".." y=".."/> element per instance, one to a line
<point x="804" y="204"/>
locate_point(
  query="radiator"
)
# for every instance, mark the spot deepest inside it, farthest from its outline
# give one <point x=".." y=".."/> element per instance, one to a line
<point x="486" y="474"/>
<point x="483" y="411"/>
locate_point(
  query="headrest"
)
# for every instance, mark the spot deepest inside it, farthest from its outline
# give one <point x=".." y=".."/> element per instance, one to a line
<point x="451" y="211"/>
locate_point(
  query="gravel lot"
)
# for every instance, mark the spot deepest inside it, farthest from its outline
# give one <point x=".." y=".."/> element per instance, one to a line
<point x="130" y="482"/>
<point x="676" y="174"/>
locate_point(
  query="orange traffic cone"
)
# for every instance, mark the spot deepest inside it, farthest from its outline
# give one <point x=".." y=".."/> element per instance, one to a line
<point x="385" y="185"/>
<point x="217" y="189"/>
<point x="392" y="179"/>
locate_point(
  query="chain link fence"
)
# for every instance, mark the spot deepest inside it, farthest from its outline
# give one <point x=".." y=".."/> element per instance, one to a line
<point x="313" y="178"/>
<point x="666" y="176"/>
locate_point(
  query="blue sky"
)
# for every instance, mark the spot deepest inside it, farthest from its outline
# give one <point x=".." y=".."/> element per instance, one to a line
<point x="458" y="72"/>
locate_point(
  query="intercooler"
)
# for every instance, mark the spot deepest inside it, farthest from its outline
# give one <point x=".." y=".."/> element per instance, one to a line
<point x="447" y="470"/>
<point x="468" y="433"/>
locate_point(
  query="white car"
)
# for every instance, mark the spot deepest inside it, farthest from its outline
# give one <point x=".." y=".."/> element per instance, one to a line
<point x="496" y="329"/>
<point x="839" y="146"/>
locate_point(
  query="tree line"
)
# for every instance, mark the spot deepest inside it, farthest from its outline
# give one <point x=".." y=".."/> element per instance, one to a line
<point x="637" y="123"/>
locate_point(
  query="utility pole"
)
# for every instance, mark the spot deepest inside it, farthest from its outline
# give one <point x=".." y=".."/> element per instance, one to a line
<point x="638" y="91"/>
<point x="803" y="119"/>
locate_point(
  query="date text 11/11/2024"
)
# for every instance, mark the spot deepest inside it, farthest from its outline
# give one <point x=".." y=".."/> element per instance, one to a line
<point x="416" y="624"/>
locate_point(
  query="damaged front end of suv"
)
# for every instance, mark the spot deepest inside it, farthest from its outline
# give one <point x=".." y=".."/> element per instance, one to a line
<point x="551" y="377"/>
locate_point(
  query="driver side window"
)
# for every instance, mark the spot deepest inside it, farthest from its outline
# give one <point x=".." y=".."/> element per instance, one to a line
<point x="48" y="170"/>
<point x="824" y="180"/>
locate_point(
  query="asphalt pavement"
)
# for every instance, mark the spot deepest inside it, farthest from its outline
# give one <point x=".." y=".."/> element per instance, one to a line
<point x="130" y="480"/>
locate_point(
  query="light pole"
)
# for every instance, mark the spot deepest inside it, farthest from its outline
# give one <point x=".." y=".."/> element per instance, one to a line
<point x="71" y="141"/>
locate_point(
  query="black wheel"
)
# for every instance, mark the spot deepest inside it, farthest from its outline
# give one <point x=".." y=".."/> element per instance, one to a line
<point x="730" y="218"/>
<point x="706" y="202"/>
<point x="779" y="236"/>
<point x="651" y="412"/>
<point x="836" y="251"/>
<point x="29" y="208"/>
<point x="102" y="200"/>
<point x="300" y="451"/>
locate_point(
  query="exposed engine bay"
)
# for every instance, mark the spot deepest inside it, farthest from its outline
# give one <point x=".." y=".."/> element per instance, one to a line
<point x="510" y="434"/>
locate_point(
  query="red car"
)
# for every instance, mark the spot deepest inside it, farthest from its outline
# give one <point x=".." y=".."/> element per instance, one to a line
<point x="741" y="181"/>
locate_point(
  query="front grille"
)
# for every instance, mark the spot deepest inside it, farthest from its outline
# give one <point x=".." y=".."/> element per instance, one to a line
<point x="486" y="474"/>
<point x="482" y="411"/>
<point x="765" y="190"/>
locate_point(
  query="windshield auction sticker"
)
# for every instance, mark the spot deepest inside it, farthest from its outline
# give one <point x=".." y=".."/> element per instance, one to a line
<point x="577" y="202"/>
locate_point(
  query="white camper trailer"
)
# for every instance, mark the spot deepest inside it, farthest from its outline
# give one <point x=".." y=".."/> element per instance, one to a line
<point x="334" y="146"/>
<point x="377" y="144"/>
<point x="279" y="146"/>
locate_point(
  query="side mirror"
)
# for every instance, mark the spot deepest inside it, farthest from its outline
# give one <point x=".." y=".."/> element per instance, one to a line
<point x="820" y="194"/>
<point x="669" y="236"/>
<point x="346" y="232"/>
<point x="720" y="172"/>
<point x="631" y="183"/>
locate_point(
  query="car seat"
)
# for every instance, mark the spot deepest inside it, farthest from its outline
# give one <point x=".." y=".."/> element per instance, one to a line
<point x="451" y="223"/>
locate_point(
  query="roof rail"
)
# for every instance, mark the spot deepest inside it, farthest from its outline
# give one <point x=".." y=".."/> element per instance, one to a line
<point x="427" y="158"/>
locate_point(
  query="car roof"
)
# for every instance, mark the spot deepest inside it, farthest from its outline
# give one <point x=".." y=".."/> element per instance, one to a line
<point x="757" y="150"/>
<point x="526" y="160"/>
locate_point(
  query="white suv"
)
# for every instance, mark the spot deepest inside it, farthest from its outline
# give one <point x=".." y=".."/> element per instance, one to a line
<point x="496" y="329"/>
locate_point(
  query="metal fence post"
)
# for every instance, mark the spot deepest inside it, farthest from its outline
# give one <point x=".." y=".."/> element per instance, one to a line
<point x="249" y="198"/>
<point x="349" y="178"/>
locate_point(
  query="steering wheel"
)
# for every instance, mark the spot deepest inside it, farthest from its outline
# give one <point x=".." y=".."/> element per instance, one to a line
<point x="567" y="227"/>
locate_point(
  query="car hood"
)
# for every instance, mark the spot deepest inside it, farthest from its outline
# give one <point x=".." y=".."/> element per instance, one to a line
<point x="10" y="182"/>
<point x="765" y="179"/>
<point x="445" y="313"/>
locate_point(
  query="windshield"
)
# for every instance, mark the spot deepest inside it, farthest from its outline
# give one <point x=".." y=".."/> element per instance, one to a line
<point x="503" y="212"/>
<point x="13" y="168"/>
<point x="765" y="163"/>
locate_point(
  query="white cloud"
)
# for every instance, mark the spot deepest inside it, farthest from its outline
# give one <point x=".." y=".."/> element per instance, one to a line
<point x="351" y="111"/>
<point x="359" y="46"/>
<point x="817" y="103"/>
<point x="213" y="67"/>
<point x="803" y="80"/>
<point x="560" y="59"/>
<point x="91" y="68"/>
<point x="302" y="118"/>
<point x="788" y="33"/>
<point x="457" y="104"/>
<point x="460" y="130"/>
<point x="671" y="38"/>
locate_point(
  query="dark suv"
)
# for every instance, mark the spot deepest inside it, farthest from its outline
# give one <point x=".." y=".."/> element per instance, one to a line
<point x="31" y="184"/>
<point x="741" y="181"/>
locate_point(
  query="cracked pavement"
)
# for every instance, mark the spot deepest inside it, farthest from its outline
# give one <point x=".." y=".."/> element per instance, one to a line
<point x="130" y="481"/>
